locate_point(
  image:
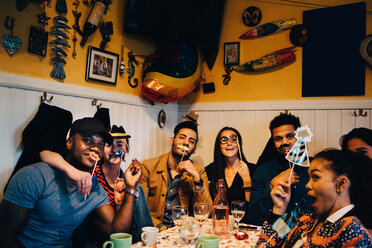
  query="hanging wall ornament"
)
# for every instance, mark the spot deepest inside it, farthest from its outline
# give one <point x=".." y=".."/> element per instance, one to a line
<point x="106" y="30"/>
<point x="122" y="65"/>
<point x="299" y="35"/>
<point x="365" y="50"/>
<point x="251" y="16"/>
<point x="132" y="69"/>
<point x="61" y="6"/>
<point x="10" y="42"/>
<point x="269" y="28"/>
<point x="76" y="26"/>
<point x="38" y="39"/>
<point x="275" y="59"/>
<point x="61" y="44"/>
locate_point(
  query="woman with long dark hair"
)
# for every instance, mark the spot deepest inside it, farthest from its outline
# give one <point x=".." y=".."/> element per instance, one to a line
<point x="231" y="165"/>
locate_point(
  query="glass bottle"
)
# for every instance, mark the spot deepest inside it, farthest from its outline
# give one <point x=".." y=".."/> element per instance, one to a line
<point x="93" y="19"/>
<point x="220" y="212"/>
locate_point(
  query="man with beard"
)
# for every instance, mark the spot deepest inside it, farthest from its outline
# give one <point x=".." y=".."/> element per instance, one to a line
<point x="173" y="179"/>
<point x="42" y="206"/>
<point x="270" y="173"/>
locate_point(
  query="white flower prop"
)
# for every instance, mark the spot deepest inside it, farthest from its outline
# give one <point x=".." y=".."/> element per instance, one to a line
<point x="298" y="154"/>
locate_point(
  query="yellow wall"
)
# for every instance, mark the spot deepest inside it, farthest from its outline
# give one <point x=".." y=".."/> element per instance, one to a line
<point x="30" y="65"/>
<point x="283" y="84"/>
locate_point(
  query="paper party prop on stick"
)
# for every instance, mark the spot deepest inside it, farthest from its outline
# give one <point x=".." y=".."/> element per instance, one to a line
<point x="298" y="154"/>
<point x="185" y="149"/>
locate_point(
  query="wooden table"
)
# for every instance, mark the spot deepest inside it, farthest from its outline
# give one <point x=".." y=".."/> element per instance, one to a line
<point x="168" y="237"/>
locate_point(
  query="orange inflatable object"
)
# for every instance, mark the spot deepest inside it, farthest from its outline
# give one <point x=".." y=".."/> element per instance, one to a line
<point x="175" y="77"/>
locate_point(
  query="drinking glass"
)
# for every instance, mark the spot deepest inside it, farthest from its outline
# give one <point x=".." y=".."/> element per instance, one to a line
<point x="178" y="213"/>
<point x="201" y="212"/>
<point x="190" y="231"/>
<point x="238" y="210"/>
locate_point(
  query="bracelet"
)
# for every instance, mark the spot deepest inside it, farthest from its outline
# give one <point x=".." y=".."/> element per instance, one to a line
<point x="132" y="191"/>
<point x="248" y="189"/>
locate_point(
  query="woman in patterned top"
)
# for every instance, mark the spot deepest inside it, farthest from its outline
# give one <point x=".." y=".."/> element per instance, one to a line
<point x="333" y="176"/>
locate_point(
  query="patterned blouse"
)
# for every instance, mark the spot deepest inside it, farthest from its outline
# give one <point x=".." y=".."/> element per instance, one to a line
<point x="347" y="231"/>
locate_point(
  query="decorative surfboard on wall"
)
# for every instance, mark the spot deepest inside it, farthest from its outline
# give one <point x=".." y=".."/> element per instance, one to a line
<point x="275" y="59"/>
<point x="175" y="76"/>
<point x="269" y="28"/>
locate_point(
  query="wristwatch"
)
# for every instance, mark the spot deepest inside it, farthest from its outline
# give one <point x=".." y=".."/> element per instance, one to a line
<point x="198" y="186"/>
<point x="132" y="191"/>
<point x="200" y="183"/>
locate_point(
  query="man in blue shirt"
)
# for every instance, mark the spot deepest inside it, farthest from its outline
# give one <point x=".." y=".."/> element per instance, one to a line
<point x="268" y="174"/>
<point x="41" y="206"/>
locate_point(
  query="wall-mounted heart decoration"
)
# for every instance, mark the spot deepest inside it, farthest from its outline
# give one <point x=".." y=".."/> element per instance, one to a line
<point x="11" y="44"/>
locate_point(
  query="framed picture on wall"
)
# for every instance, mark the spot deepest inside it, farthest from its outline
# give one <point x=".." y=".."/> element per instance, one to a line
<point x="231" y="53"/>
<point x="102" y="66"/>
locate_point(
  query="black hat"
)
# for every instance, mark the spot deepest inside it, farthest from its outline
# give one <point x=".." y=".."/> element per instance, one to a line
<point x="89" y="126"/>
<point x="186" y="124"/>
<point x="118" y="132"/>
<point x="103" y="115"/>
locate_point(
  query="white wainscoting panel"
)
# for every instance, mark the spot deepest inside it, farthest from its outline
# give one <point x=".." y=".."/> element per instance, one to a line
<point x="18" y="106"/>
<point x="327" y="124"/>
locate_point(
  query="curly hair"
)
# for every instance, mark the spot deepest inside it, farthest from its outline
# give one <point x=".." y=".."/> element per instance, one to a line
<point x="285" y="119"/>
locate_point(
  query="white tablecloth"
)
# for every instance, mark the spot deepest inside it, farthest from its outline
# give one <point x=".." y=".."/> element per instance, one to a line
<point x="168" y="237"/>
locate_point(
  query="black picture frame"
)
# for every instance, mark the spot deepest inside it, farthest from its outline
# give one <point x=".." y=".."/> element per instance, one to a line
<point x="102" y="66"/>
<point x="231" y="53"/>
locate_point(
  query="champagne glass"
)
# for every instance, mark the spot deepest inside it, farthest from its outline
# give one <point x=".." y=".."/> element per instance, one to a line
<point x="178" y="213"/>
<point x="238" y="210"/>
<point x="201" y="212"/>
<point x="190" y="231"/>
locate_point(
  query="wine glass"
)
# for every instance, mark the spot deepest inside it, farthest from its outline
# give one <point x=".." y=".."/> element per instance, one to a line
<point x="178" y="213"/>
<point x="238" y="210"/>
<point x="190" y="231"/>
<point x="201" y="212"/>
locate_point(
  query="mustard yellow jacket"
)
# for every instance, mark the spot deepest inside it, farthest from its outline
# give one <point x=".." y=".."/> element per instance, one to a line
<point x="154" y="183"/>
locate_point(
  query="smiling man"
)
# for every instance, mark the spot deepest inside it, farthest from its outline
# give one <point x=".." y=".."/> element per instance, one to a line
<point x="42" y="206"/>
<point x="173" y="179"/>
<point x="268" y="174"/>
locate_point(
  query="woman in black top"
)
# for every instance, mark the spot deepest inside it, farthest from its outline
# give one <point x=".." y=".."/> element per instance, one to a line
<point x="231" y="165"/>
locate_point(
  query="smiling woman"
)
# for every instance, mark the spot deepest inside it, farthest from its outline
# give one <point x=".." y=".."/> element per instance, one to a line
<point x="334" y="184"/>
<point x="230" y="164"/>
